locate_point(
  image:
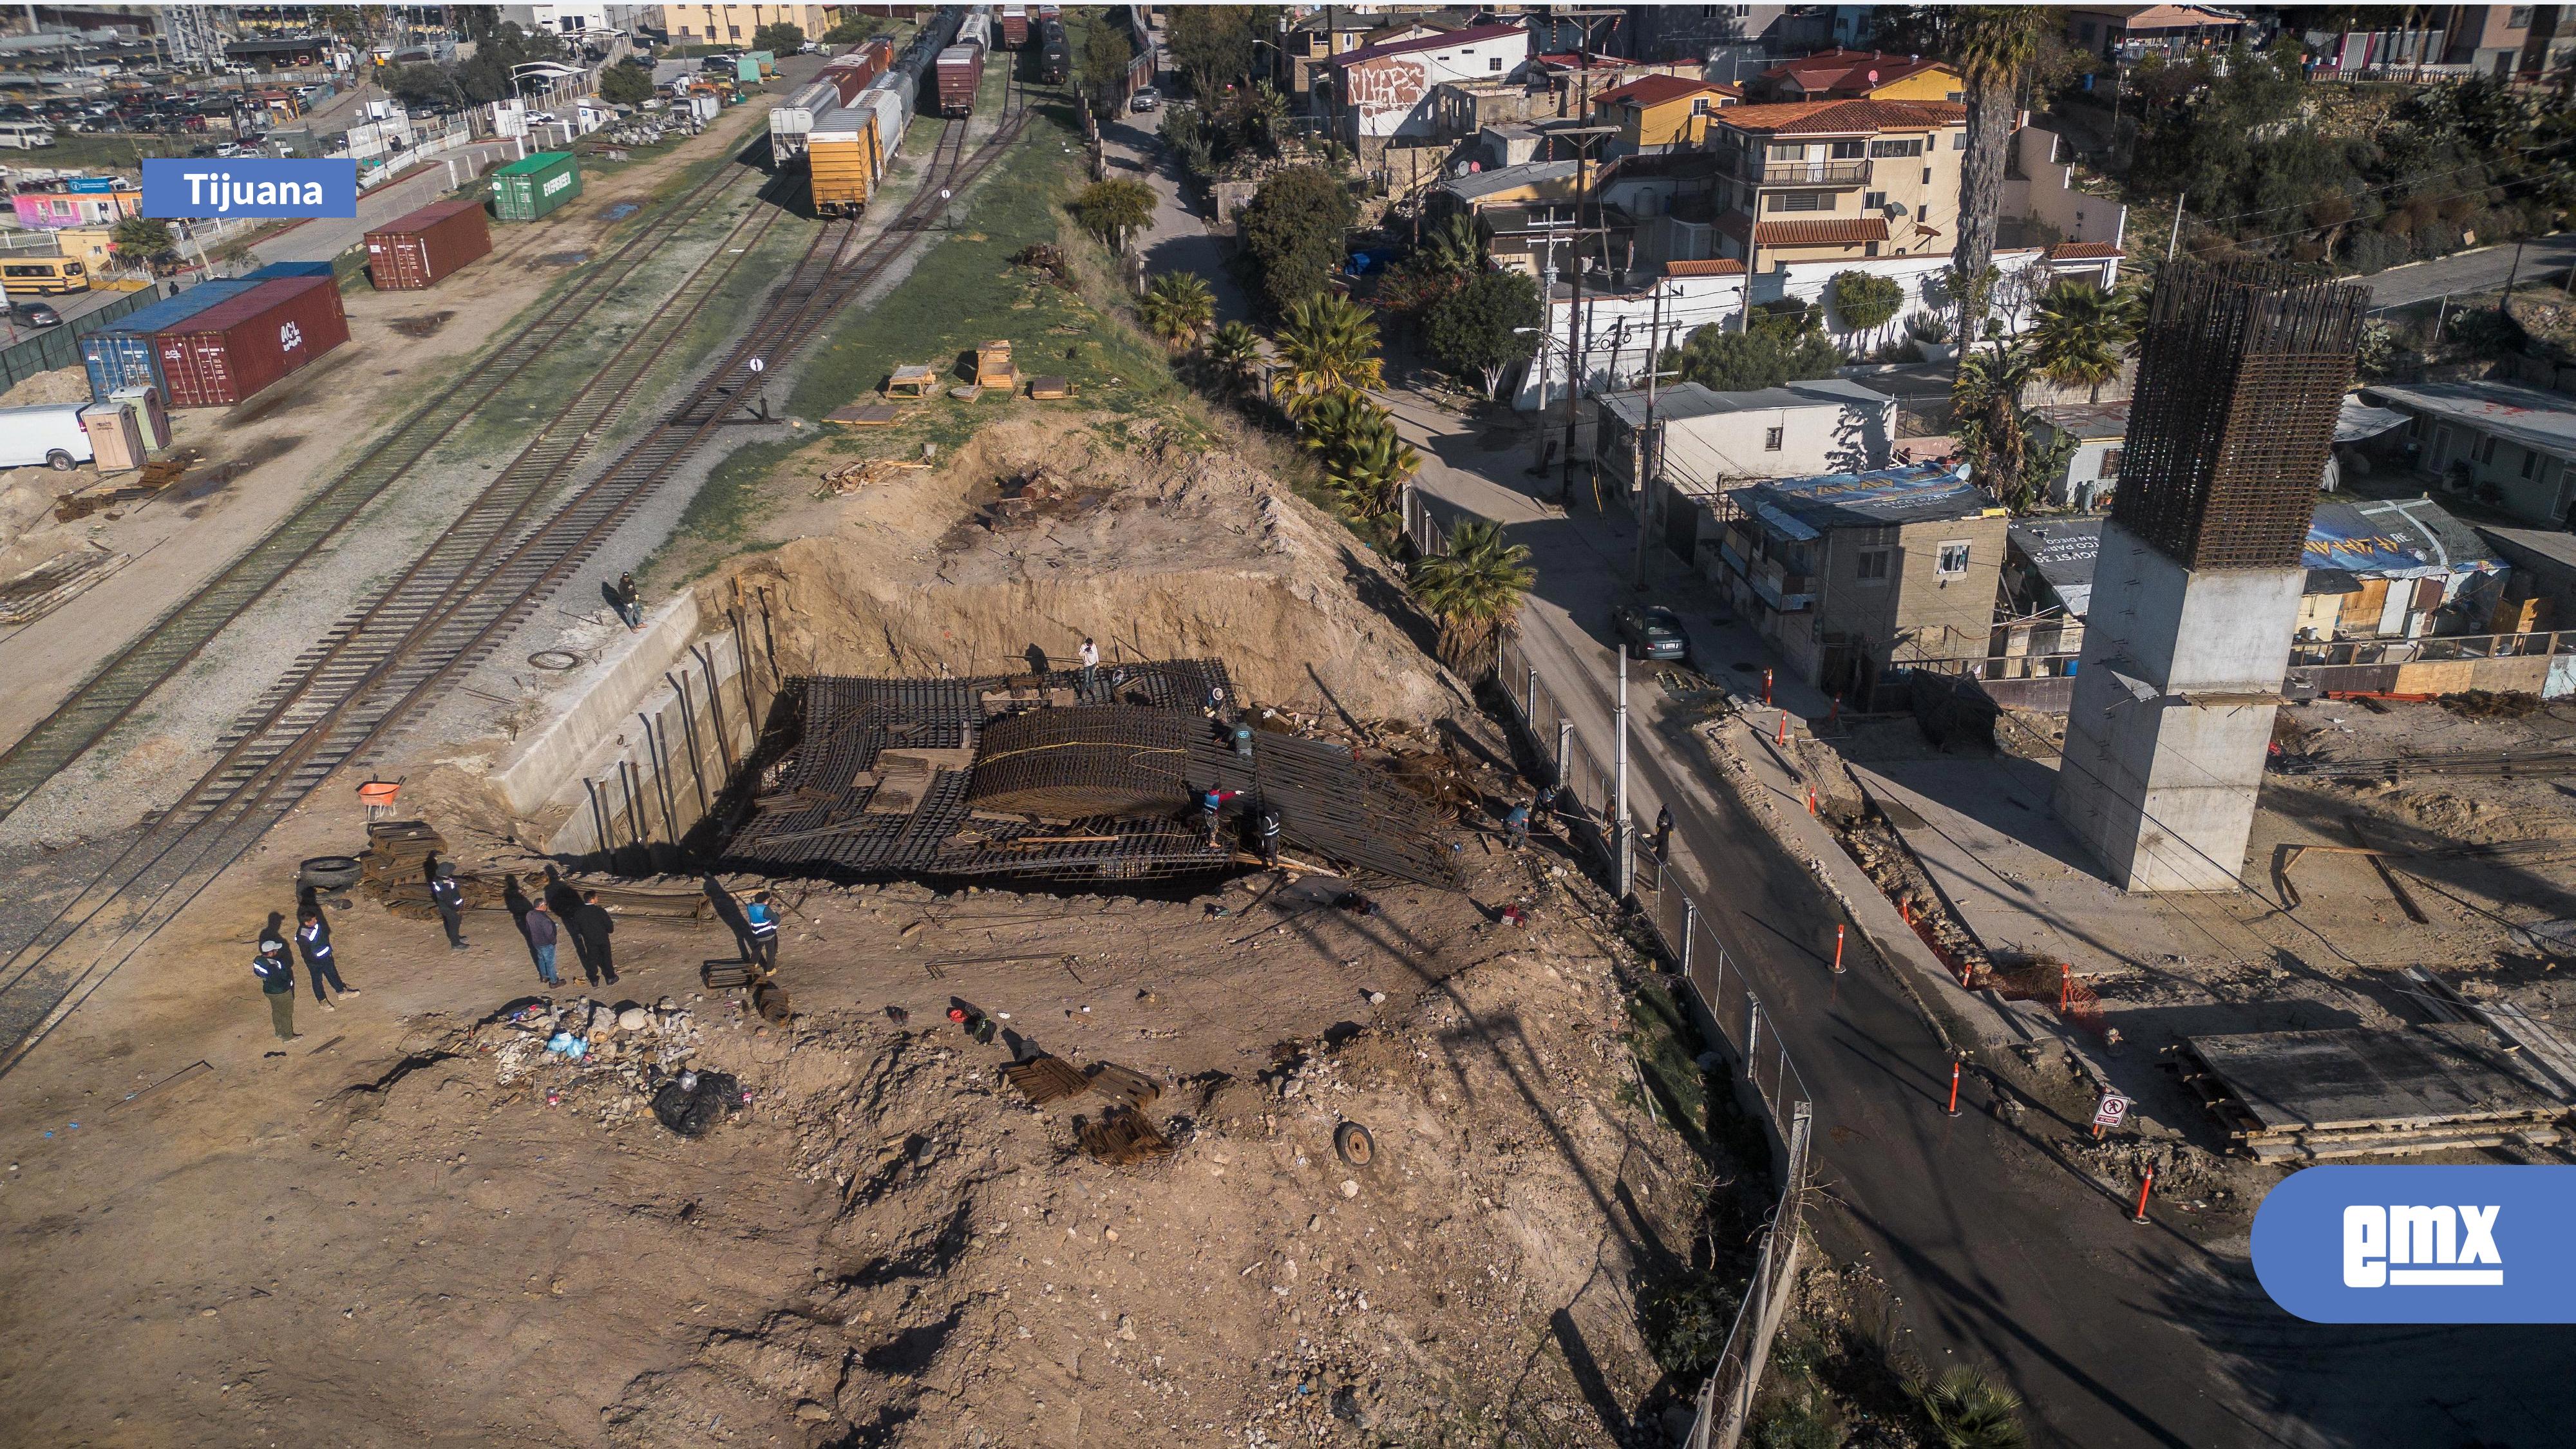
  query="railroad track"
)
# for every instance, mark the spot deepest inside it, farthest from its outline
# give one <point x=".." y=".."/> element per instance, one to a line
<point x="444" y="616"/>
<point x="117" y="688"/>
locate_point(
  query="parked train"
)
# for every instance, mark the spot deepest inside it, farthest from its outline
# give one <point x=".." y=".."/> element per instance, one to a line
<point x="848" y="148"/>
<point x="1014" y="27"/>
<point x="839" y="85"/>
<point x="1055" y="54"/>
<point x="961" y="65"/>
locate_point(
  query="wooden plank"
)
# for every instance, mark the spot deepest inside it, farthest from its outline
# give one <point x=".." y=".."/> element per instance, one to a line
<point x="1044" y="1079"/>
<point x="1134" y="1089"/>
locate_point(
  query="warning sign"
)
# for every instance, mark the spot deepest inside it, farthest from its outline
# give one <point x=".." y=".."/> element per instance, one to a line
<point x="2111" y="1111"/>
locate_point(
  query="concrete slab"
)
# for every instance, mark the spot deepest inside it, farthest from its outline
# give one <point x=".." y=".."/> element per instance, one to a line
<point x="2423" y="1076"/>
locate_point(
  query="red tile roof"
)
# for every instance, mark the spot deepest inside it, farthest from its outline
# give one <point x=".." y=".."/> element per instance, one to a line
<point x="1655" y="90"/>
<point x="1845" y="118"/>
<point x="1470" y="36"/>
<point x="1712" y="267"/>
<point x="1850" y="70"/>
<point x="1842" y="230"/>
<point x="2083" y="251"/>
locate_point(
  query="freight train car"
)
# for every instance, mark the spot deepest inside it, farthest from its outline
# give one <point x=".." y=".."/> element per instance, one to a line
<point x="838" y="84"/>
<point x="1015" y="27"/>
<point x="1055" y="53"/>
<point x="851" y="147"/>
<point x="961" y="74"/>
<point x="977" y="28"/>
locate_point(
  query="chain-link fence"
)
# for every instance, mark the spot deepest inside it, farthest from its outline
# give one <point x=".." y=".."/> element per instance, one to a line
<point x="1586" y="802"/>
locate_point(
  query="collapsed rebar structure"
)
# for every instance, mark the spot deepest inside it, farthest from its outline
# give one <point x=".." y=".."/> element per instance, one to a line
<point x="1055" y="775"/>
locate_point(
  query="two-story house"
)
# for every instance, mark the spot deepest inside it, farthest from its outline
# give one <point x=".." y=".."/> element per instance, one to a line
<point x="1659" y="113"/>
<point x="1859" y="75"/>
<point x="1826" y="181"/>
<point x="1383" y="93"/>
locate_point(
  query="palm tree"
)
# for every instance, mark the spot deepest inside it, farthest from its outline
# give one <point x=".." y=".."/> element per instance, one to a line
<point x="1970" y="1411"/>
<point x="1992" y="45"/>
<point x="1236" y="351"/>
<point x="1111" y="209"/>
<point x="1474" y="591"/>
<point x="1454" y="247"/>
<point x="1178" y="308"/>
<point x="1991" y="425"/>
<point x="1370" y="470"/>
<point x="1327" y="345"/>
<point x="2081" y="332"/>
<point x="1330" y="420"/>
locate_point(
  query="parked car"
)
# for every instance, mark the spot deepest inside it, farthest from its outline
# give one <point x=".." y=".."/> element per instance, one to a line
<point x="1651" y="632"/>
<point x="50" y="435"/>
<point x="35" y="314"/>
<point x="1146" y="98"/>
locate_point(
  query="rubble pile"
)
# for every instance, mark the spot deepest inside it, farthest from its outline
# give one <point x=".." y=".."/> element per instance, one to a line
<point x="618" y="1055"/>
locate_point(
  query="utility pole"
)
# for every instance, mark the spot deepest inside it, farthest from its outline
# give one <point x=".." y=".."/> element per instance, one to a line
<point x="1619" y="872"/>
<point x="1650" y="456"/>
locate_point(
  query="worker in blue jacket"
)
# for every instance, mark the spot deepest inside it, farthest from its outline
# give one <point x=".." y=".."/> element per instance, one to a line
<point x="276" y="973"/>
<point x="313" y="939"/>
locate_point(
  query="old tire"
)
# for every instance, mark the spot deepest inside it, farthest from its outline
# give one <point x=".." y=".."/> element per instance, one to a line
<point x="1354" y="1144"/>
<point x="60" y="461"/>
<point x="329" y="872"/>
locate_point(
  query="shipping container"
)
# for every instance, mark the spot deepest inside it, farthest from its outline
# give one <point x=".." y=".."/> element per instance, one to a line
<point x="1015" y="26"/>
<point x="414" y="251"/>
<point x="845" y="158"/>
<point x="232" y="350"/>
<point x="120" y="356"/>
<point x="275" y="270"/>
<point x="961" y="74"/>
<point x="528" y="188"/>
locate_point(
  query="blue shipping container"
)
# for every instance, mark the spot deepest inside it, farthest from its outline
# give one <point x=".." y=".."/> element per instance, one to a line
<point x="120" y="355"/>
<point x="275" y="270"/>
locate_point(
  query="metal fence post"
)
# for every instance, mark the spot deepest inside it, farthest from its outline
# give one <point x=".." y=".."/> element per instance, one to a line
<point x="1690" y="927"/>
<point x="1564" y="747"/>
<point x="1529" y="710"/>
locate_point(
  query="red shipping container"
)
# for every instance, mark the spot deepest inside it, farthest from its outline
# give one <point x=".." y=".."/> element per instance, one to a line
<point x="235" y="348"/>
<point x="411" y="252"/>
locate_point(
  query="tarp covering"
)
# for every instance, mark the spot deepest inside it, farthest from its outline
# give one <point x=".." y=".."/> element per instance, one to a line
<point x="2394" y="538"/>
<point x="2063" y="551"/>
<point x="2358" y="420"/>
<point x="1920" y="492"/>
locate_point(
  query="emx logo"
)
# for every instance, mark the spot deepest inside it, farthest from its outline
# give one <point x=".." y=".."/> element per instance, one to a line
<point x="2420" y="1244"/>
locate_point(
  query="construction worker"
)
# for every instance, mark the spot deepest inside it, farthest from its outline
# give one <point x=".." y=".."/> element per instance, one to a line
<point x="1090" y="666"/>
<point x="1516" y="827"/>
<point x="630" y="601"/>
<point x="1663" y="835"/>
<point x="590" y="930"/>
<point x="540" y="926"/>
<point x="276" y="973"/>
<point x="1266" y="825"/>
<point x="313" y="939"/>
<point x="449" y="899"/>
<point x="1211" y="807"/>
<point x="762" y="915"/>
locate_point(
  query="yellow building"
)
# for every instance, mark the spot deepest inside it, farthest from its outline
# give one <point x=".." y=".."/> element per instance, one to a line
<point x="734" y="24"/>
<point x="1860" y="75"/>
<point x="1822" y="181"/>
<point x="1662" y="112"/>
<point x="88" y="246"/>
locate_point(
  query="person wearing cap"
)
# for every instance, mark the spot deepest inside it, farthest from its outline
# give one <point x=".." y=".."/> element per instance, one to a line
<point x="449" y="898"/>
<point x="276" y="973"/>
<point x="313" y="939"/>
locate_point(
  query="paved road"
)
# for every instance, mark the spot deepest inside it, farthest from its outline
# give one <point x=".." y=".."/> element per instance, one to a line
<point x="1999" y="1251"/>
<point x="2484" y="270"/>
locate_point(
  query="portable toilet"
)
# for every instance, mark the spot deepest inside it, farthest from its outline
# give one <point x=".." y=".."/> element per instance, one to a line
<point x="528" y="188"/>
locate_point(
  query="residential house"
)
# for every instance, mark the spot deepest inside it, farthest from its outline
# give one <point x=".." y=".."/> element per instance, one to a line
<point x="1552" y="87"/>
<point x="2128" y="32"/>
<point x="2510" y="447"/>
<point x="734" y="24"/>
<point x="2047" y="586"/>
<point x="1859" y="75"/>
<point x="2043" y="204"/>
<point x="1308" y="43"/>
<point x="75" y="204"/>
<point x="1837" y="181"/>
<point x="2396" y="569"/>
<point x="1705" y="444"/>
<point x="2528" y="44"/>
<point x="1382" y="93"/>
<point x="1753" y="35"/>
<point x="1843" y="570"/>
<point x="2092" y="471"/>
<point x="2540" y="593"/>
<point x="1527" y="210"/>
<point x="1661" y="113"/>
<point x="577" y="16"/>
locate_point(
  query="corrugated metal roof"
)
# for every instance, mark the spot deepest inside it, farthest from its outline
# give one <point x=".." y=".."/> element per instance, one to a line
<point x="1707" y="267"/>
<point x="1504" y="178"/>
<point x="1844" y="230"/>
<point x="1843" y="118"/>
<point x="2544" y="422"/>
<point x="2083" y="251"/>
<point x="1474" y="35"/>
<point x="1656" y="90"/>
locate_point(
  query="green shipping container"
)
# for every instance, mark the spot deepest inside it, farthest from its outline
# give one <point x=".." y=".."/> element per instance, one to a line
<point x="747" y="69"/>
<point x="529" y="188"/>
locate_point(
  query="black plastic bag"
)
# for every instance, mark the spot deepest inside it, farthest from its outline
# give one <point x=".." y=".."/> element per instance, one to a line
<point x="691" y="1110"/>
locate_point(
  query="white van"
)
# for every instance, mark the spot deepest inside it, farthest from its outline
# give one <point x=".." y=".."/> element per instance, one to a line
<point x="50" y="435"/>
<point x="26" y="135"/>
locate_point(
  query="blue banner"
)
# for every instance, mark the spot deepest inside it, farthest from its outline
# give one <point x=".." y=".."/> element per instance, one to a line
<point x="2421" y="1244"/>
<point x="249" y="186"/>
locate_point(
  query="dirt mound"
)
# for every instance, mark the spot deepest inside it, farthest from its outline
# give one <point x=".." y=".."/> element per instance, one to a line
<point x="1174" y="553"/>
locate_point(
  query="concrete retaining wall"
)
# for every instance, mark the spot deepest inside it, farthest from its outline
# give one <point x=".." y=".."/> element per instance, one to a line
<point x="647" y="738"/>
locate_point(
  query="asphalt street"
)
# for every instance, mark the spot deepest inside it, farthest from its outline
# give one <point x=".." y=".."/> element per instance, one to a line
<point x="2484" y="270"/>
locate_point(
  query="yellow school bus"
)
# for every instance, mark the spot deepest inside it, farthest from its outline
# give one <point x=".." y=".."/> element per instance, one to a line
<point x="42" y="276"/>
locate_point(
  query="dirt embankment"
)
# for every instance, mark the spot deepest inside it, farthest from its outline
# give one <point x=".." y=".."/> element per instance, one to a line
<point x="1153" y="549"/>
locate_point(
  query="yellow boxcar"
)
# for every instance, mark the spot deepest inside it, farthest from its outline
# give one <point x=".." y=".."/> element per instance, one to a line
<point x="843" y="159"/>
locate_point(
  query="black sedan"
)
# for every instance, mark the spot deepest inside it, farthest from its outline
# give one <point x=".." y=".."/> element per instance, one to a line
<point x="1651" y="632"/>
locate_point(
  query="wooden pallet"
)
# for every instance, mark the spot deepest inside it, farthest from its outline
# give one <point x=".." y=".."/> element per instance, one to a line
<point x="1122" y="1138"/>
<point x="1045" y="1079"/>
<point x="55" y="582"/>
<point x="1133" y="1090"/>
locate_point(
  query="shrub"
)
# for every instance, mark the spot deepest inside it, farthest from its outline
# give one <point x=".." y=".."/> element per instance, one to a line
<point x="1865" y="302"/>
<point x="1292" y="232"/>
<point x="2374" y="251"/>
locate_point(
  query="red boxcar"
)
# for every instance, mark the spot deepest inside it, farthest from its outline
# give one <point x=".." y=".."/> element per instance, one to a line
<point x="961" y="74"/>
<point x="1015" y="26"/>
<point x="235" y="348"/>
<point x="410" y="252"/>
<point x="850" y="74"/>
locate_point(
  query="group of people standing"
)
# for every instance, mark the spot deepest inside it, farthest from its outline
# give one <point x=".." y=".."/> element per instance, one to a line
<point x="274" y="968"/>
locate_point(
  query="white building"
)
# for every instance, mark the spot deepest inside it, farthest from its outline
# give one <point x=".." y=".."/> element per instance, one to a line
<point x="574" y="18"/>
<point x="1383" y="92"/>
<point x="1712" y="441"/>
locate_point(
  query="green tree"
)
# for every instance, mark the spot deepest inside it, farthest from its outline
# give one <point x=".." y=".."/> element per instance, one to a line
<point x="1113" y="209"/>
<point x="779" y="37"/>
<point x="420" y="87"/>
<point x="1236" y="352"/>
<point x="853" y="29"/>
<point x="2006" y="443"/>
<point x="1454" y="245"/>
<point x="1478" y="327"/>
<point x="1473" y="592"/>
<point x="1723" y="361"/>
<point x="1100" y="66"/>
<point x="1992" y="46"/>
<point x="1292" y="231"/>
<point x="1970" y="1411"/>
<point x="2080" y="332"/>
<point x="1216" y="46"/>
<point x="141" y="240"/>
<point x="626" y="84"/>
<point x="1365" y="462"/>
<point x="1864" y="302"/>
<point x="1327" y="345"/>
<point x="1178" y="308"/>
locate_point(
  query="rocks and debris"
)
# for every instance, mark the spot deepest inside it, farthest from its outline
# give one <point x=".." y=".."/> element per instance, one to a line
<point x="851" y="477"/>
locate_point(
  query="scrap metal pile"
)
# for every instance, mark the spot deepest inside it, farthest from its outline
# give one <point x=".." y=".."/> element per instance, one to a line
<point x="1034" y="775"/>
